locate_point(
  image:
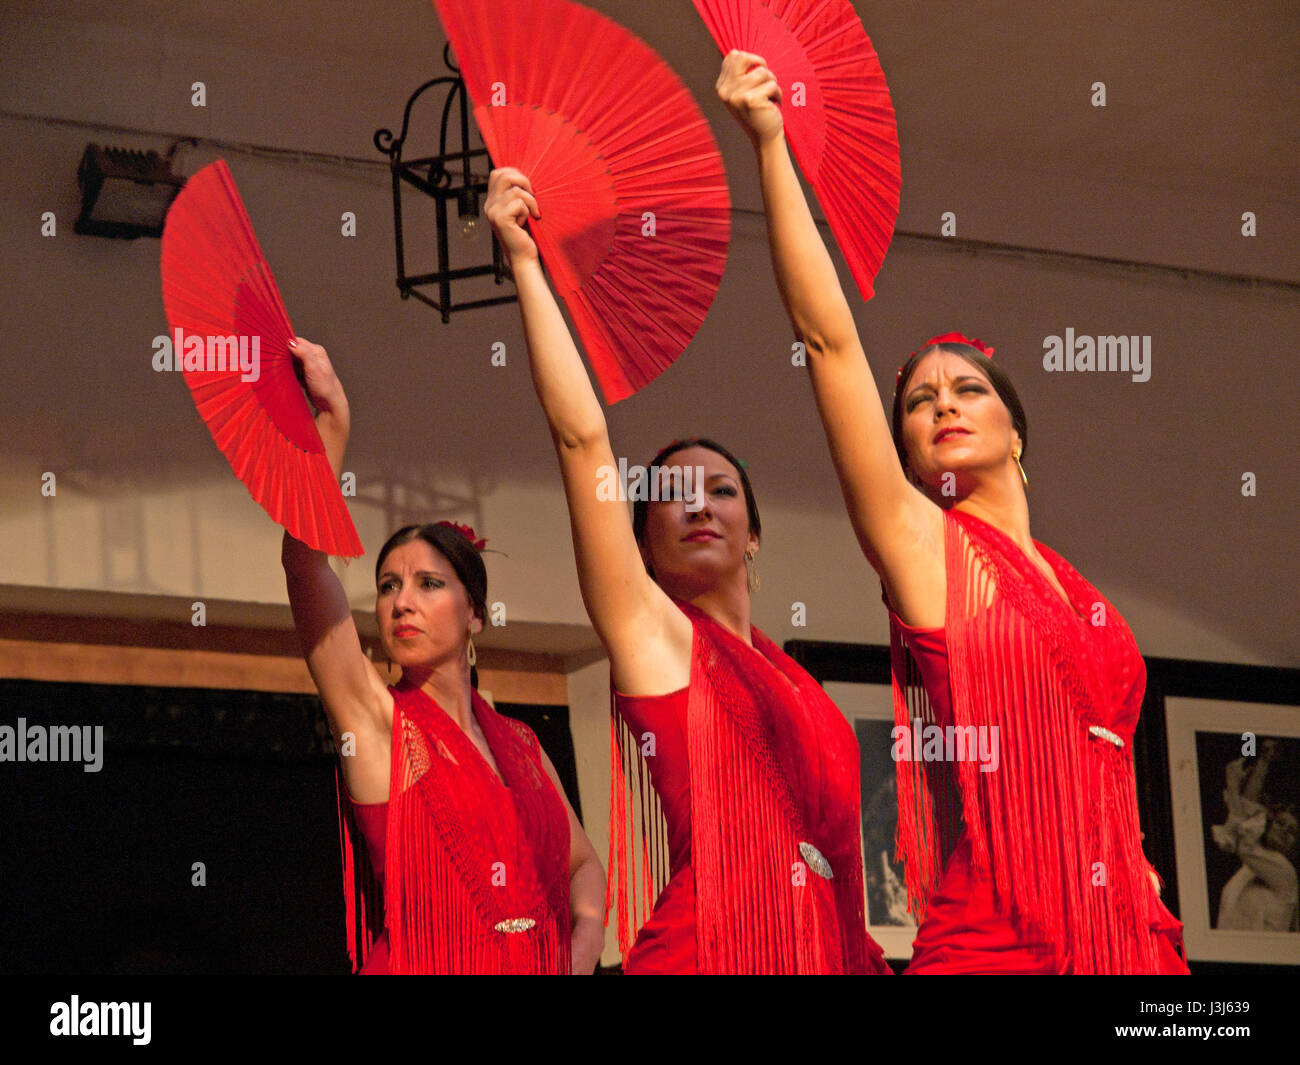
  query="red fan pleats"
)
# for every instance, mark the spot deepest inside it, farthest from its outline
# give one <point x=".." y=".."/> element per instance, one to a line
<point x="838" y="116"/>
<point x="230" y="334"/>
<point x="635" y="214"/>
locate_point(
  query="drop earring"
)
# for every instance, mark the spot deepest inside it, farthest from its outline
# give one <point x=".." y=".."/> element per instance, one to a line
<point x="470" y="653"/>
<point x="1024" y="478"/>
<point x="751" y="572"/>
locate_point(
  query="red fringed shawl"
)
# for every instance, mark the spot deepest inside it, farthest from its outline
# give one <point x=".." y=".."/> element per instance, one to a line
<point x="775" y="817"/>
<point x="1056" y="825"/>
<point x="476" y="874"/>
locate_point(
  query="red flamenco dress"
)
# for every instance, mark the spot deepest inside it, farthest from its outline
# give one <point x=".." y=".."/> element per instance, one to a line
<point x="735" y="813"/>
<point x="459" y="872"/>
<point x="1035" y="866"/>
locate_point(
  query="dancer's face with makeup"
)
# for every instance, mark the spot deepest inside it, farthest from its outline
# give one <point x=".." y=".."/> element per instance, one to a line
<point x="954" y="421"/>
<point x="693" y="545"/>
<point x="423" y="610"/>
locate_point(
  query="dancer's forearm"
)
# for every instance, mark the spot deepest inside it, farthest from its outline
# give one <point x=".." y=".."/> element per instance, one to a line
<point x="334" y="427"/>
<point x="805" y="274"/>
<point x="333" y="422"/>
<point x="572" y="410"/>
<point x="587" y="897"/>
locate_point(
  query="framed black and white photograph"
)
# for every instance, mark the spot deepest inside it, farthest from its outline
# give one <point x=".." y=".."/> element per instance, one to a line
<point x="1235" y="785"/>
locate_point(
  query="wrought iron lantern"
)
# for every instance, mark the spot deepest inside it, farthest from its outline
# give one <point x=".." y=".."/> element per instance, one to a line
<point x="447" y="177"/>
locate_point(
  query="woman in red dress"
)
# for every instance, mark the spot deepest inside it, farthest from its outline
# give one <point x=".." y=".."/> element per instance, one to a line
<point x="461" y="854"/>
<point x="754" y="770"/>
<point x="1024" y="856"/>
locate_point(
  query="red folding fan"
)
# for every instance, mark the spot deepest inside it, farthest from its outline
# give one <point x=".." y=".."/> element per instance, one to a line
<point x="838" y="116"/>
<point x="635" y="215"/>
<point x="221" y="300"/>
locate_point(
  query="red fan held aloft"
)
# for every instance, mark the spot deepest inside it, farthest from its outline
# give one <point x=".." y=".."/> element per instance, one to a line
<point x="635" y="215"/>
<point x="838" y="116"/>
<point x="230" y="336"/>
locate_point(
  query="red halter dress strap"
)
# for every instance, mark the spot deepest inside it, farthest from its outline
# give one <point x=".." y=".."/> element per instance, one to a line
<point x="476" y="867"/>
<point x="1054" y="826"/>
<point x="774" y="818"/>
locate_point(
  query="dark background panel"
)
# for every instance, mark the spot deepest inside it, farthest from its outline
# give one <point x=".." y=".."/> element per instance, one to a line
<point x="551" y="725"/>
<point x="96" y="868"/>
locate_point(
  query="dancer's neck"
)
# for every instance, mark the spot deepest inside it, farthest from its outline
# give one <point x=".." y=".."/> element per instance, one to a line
<point x="730" y="607"/>
<point x="447" y="685"/>
<point x="1002" y="503"/>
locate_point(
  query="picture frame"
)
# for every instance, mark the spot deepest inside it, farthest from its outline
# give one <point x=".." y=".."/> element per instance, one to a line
<point x="1236" y="875"/>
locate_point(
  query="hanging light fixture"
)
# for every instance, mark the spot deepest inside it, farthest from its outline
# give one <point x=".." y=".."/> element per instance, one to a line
<point x="125" y="193"/>
<point x="446" y="177"/>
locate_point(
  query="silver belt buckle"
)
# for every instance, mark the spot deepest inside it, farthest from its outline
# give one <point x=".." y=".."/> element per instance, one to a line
<point x="1107" y="735"/>
<point x="515" y="924"/>
<point x="816" y="860"/>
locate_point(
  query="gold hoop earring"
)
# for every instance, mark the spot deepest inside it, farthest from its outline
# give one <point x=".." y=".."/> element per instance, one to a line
<point x="1023" y="477"/>
<point x="470" y="653"/>
<point x="751" y="572"/>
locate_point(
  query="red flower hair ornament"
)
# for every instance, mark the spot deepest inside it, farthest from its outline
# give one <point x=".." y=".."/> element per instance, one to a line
<point x="466" y="531"/>
<point x="956" y="338"/>
<point x="947" y="338"/>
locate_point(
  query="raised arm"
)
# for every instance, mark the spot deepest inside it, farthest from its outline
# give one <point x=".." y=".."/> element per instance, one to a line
<point x="1254" y="783"/>
<point x="647" y="638"/>
<point x="892" y="520"/>
<point x="1270" y="866"/>
<point x="1234" y="775"/>
<point x="355" y="698"/>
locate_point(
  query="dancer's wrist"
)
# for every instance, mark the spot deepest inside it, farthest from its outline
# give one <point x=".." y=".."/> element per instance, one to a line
<point x="769" y="142"/>
<point x="333" y="400"/>
<point x="334" y="416"/>
<point x="334" y="427"/>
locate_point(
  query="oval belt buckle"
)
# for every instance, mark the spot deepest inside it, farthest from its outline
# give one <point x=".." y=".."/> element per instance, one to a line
<point x="515" y="924"/>
<point x="1107" y="735"/>
<point x="816" y="860"/>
